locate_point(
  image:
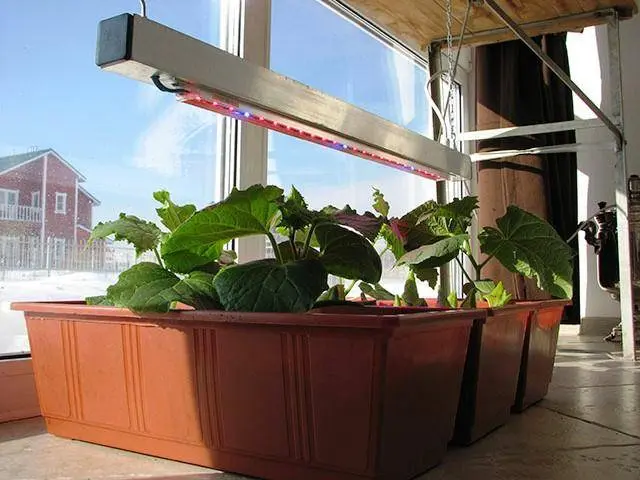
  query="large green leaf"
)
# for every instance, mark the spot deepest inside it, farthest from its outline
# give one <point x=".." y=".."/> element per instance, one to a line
<point x="426" y="273"/>
<point x="147" y="287"/>
<point x="528" y="245"/>
<point x="376" y="291"/>
<point x="266" y="286"/>
<point x="414" y="216"/>
<point x="197" y="290"/>
<point x="101" y="300"/>
<point x="347" y="254"/>
<point x="393" y="241"/>
<point x="142" y="235"/>
<point x="172" y="215"/>
<point x="435" y="254"/>
<point x="453" y="218"/>
<point x="202" y="237"/>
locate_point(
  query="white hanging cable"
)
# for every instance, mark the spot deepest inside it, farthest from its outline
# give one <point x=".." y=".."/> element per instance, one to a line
<point x="432" y="104"/>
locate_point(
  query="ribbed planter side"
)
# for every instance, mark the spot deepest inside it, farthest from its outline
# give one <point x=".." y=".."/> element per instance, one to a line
<point x="491" y="372"/>
<point x="319" y="396"/>
<point x="539" y="353"/>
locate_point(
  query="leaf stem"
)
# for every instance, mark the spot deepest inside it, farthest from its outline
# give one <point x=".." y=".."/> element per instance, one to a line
<point x="464" y="272"/>
<point x="276" y="248"/>
<point x="307" y="241"/>
<point x="292" y="243"/>
<point x="476" y="267"/>
<point x="487" y="260"/>
<point x="350" y="287"/>
<point x="158" y="257"/>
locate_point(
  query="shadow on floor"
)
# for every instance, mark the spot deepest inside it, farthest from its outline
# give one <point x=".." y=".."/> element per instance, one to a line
<point x="22" y="429"/>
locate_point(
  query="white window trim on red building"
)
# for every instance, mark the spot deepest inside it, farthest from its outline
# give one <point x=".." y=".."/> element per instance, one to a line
<point x="63" y="209"/>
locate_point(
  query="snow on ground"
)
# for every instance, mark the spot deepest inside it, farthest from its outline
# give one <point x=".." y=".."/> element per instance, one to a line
<point x="40" y="286"/>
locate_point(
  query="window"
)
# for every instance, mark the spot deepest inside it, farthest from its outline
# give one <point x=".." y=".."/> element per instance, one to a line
<point x="125" y="139"/>
<point x="316" y="46"/>
<point x="35" y="199"/>
<point x="61" y="203"/>
<point x="8" y="197"/>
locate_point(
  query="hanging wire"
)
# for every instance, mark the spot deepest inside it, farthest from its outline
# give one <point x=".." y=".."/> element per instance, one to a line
<point x="451" y="73"/>
<point x="453" y="66"/>
<point x="432" y="104"/>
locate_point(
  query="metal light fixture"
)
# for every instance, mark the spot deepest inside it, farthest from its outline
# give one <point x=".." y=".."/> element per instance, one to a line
<point x="205" y="76"/>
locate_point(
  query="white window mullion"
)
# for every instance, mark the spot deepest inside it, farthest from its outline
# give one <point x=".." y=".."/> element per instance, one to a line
<point x="243" y="147"/>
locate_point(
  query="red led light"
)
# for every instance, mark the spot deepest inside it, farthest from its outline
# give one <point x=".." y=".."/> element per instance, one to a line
<point x="226" y="109"/>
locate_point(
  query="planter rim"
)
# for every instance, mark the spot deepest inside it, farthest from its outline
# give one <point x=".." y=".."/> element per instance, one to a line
<point x="360" y="317"/>
<point x="527" y="305"/>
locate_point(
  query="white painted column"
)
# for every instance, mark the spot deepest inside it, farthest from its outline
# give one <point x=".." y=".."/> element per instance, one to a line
<point x="43" y="205"/>
<point x="75" y="217"/>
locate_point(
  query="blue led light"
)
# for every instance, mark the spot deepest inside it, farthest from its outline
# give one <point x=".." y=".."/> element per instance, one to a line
<point x="344" y="146"/>
<point x="247" y="114"/>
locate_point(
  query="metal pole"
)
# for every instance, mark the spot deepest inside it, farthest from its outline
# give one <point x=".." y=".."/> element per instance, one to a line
<point x="529" y="130"/>
<point x="441" y="187"/>
<point x="553" y="66"/>
<point x="622" y="204"/>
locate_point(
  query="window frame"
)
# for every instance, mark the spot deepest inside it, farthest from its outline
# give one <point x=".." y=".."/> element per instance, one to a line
<point x="62" y="211"/>
<point x="36" y="195"/>
<point x="5" y="196"/>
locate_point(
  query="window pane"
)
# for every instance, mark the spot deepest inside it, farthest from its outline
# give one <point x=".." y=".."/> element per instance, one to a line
<point x="108" y="142"/>
<point x="316" y="46"/>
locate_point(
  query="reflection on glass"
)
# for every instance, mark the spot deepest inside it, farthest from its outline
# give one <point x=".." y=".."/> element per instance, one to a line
<point x="312" y="44"/>
<point x="79" y="146"/>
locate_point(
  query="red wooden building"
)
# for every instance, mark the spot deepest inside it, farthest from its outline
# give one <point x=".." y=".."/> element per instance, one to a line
<point x="41" y="197"/>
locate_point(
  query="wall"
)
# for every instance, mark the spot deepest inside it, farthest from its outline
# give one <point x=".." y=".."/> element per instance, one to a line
<point x="25" y="179"/>
<point x="589" y="59"/>
<point x="85" y="210"/>
<point x="63" y="180"/>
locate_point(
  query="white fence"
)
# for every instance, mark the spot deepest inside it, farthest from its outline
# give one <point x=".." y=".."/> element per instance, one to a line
<point x="30" y="254"/>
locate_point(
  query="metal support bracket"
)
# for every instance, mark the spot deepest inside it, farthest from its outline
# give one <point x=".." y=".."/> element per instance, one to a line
<point x="554" y="67"/>
<point x="566" y="148"/>
<point x="529" y="130"/>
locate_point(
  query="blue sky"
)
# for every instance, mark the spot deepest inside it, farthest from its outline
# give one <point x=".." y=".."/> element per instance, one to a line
<point x="129" y="139"/>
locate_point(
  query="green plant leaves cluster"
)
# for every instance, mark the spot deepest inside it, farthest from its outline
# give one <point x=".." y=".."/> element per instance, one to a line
<point x="521" y="242"/>
<point x="432" y="235"/>
<point x="195" y="269"/>
<point x="527" y="245"/>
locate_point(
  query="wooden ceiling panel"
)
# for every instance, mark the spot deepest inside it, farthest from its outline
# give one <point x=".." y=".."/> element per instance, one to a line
<point x="421" y="22"/>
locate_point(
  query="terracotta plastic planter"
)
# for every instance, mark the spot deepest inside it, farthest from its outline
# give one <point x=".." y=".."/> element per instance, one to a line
<point x="315" y="396"/>
<point x="491" y="372"/>
<point x="539" y="352"/>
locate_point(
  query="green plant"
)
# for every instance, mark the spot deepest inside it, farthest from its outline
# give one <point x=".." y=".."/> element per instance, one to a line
<point x="194" y="268"/>
<point x="399" y="236"/>
<point x="433" y="235"/>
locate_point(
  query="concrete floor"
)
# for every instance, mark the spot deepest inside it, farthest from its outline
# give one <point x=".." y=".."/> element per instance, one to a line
<point x="587" y="428"/>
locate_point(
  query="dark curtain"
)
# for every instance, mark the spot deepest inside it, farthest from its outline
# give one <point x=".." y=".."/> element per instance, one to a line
<point x="514" y="88"/>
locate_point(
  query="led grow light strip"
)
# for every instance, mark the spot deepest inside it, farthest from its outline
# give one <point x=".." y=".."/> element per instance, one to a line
<point x="292" y="129"/>
<point x="141" y="49"/>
